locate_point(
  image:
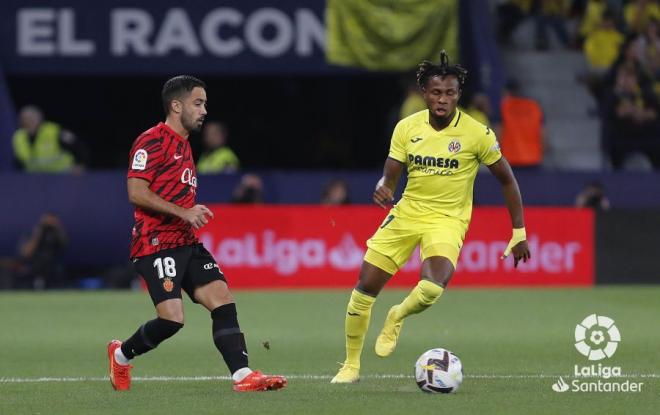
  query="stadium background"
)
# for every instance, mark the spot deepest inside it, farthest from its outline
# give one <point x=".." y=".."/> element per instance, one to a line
<point x="309" y="96"/>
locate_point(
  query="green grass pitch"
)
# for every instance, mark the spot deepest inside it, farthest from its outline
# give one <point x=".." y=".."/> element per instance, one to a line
<point x="513" y="344"/>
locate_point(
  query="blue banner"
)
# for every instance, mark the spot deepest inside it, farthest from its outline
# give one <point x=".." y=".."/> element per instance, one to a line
<point x="230" y="36"/>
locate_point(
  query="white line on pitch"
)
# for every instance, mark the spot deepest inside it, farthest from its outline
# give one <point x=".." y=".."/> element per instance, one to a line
<point x="308" y="377"/>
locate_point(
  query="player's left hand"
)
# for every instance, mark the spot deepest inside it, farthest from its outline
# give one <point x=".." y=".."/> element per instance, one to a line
<point x="518" y="245"/>
<point x="197" y="216"/>
<point x="520" y="252"/>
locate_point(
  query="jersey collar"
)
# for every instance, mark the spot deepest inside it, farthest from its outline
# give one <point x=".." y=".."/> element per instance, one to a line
<point x="454" y="121"/>
<point x="174" y="134"/>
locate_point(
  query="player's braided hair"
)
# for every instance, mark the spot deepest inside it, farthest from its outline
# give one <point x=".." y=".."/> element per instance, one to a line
<point x="427" y="69"/>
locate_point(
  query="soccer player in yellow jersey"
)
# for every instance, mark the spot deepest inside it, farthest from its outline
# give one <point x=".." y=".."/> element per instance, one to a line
<point x="441" y="148"/>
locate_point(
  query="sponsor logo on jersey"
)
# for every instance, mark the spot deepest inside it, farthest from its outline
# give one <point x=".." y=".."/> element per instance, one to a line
<point x="440" y="166"/>
<point x="188" y="178"/>
<point x="416" y="139"/>
<point x="140" y="160"/>
<point x="432" y="161"/>
<point x="177" y="156"/>
<point x="211" y="265"/>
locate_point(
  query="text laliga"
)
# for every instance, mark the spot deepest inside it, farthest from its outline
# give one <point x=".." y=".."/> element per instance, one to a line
<point x="599" y="370"/>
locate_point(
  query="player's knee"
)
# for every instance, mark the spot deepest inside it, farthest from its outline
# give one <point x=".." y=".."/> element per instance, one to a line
<point x="214" y="295"/>
<point x="170" y="310"/>
<point x="173" y="316"/>
<point x="372" y="279"/>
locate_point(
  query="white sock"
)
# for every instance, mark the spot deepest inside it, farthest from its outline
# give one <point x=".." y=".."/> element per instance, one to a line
<point x="119" y="357"/>
<point x="241" y="374"/>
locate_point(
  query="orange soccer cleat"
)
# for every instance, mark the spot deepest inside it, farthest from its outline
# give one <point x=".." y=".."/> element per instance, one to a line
<point x="120" y="375"/>
<point x="257" y="381"/>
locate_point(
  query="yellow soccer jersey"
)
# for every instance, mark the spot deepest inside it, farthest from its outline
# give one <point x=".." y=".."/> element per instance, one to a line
<point x="442" y="165"/>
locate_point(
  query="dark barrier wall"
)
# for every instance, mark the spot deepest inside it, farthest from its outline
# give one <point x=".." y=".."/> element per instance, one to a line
<point x="98" y="217"/>
<point x="628" y="246"/>
<point x="94" y="210"/>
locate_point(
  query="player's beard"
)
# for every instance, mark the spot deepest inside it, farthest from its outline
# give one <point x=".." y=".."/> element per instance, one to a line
<point x="190" y="124"/>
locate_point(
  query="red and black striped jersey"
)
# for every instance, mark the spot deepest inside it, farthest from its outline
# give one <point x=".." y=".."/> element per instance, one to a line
<point x="164" y="159"/>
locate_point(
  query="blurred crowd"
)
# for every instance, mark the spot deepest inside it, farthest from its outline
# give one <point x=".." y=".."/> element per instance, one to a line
<point x="621" y="43"/>
<point x="622" y="47"/>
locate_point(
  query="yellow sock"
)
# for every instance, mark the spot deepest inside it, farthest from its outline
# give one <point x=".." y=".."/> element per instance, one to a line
<point x="420" y="298"/>
<point x="358" y="314"/>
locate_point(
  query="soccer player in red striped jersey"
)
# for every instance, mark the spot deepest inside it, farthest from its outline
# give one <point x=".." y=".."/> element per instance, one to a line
<point x="162" y="184"/>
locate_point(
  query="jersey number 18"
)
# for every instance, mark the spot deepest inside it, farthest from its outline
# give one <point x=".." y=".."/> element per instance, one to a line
<point x="166" y="267"/>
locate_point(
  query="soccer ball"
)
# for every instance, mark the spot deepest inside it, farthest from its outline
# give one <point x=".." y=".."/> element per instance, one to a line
<point x="439" y="371"/>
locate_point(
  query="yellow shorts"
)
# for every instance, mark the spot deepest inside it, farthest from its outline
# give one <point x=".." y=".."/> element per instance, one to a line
<point x="398" y="236"/>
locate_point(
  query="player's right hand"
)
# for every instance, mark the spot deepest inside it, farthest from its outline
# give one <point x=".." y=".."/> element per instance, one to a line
<point x="383" y="196"/>
<point x="196" y="216"/>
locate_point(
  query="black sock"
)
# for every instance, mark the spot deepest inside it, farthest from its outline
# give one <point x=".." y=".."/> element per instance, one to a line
<point x="228" y="338"/>
<point x="148" y="336"/>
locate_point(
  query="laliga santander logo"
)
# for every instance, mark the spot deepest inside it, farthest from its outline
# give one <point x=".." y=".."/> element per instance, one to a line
<point x="139" y="160"/>
<point x="597" y="337"/>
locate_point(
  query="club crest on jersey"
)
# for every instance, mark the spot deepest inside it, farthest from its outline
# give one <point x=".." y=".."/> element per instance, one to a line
<point x="154" y="241"/>
<point x="187" y="177"/>
<point x="168" y="285"/>
<point x="140" y="160"/>
<point x="454" y="146"/>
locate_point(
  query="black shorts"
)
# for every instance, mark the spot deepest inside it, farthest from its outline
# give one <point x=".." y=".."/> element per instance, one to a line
<point x="168" y="271"/>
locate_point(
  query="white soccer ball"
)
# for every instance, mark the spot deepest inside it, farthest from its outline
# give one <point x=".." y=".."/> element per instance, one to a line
<point x="439" y="371"/>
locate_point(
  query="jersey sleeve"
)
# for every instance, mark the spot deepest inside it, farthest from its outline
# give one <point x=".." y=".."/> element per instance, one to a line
<point x="489" y="149"/>
<point x="146" y="156"/>
<point x="398" y="144"/>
